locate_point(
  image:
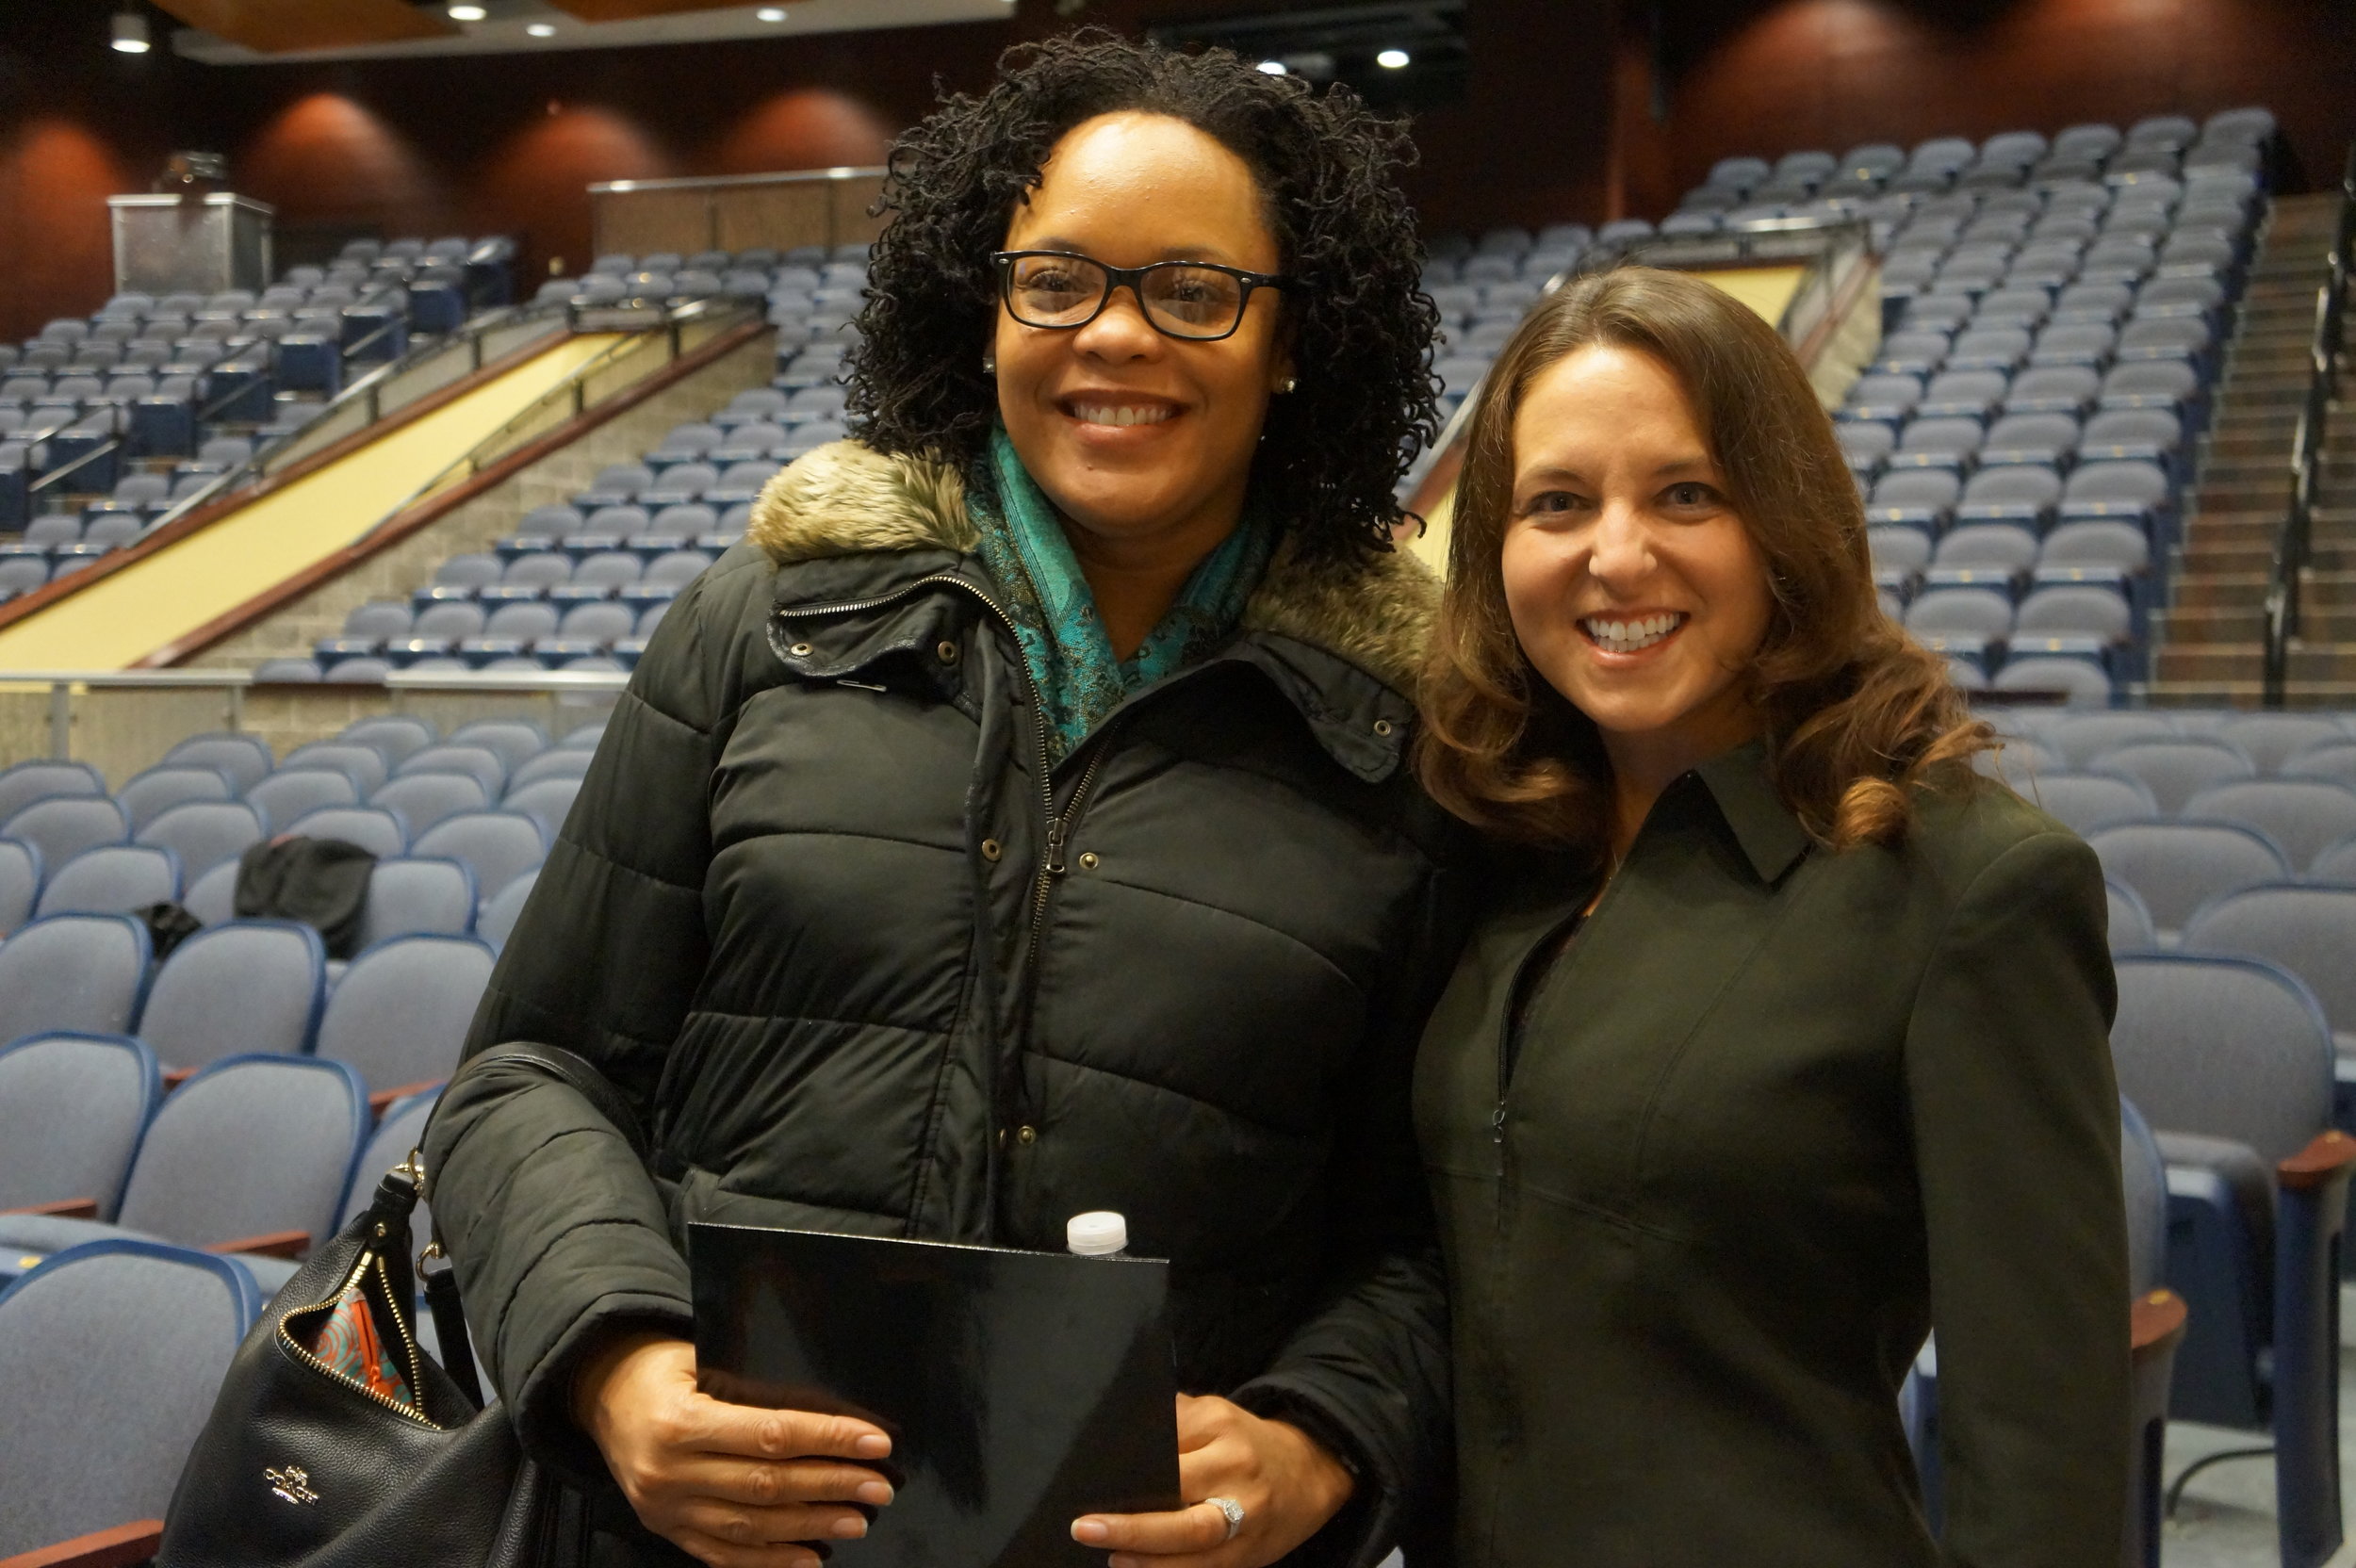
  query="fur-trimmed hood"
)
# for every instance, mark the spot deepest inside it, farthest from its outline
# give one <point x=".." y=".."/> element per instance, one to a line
<point x="845" y="498"/>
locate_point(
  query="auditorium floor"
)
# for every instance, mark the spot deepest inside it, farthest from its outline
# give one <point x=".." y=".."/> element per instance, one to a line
<point x="2226" y="1519"/>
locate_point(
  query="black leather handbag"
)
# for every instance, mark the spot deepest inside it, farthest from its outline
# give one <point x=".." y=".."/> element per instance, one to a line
<point x="299" y="1466"/>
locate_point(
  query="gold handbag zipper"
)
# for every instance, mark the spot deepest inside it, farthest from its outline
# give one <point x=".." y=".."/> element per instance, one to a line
<point x="401" y="1321"/>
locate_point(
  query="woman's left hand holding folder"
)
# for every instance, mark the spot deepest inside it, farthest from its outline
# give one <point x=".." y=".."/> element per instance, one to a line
<point x="1285" y="1484"/>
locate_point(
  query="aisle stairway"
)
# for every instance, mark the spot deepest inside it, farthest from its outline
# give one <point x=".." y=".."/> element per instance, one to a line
<point x="163" y="590"/>
<point x="2212" y="638"/>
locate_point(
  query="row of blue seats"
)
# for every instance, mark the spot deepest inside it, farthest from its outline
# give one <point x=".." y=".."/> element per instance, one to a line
<point x="420" y="884"/>
<point x="2270" y="737"/>
<point x="2306" y="825"/>
<point x="2093" y="601"/>
<point x="447" y="815"/>
<point x="496" y="752"/>
<point x="437" y="614"/>
<point x="682" y="479"/>
<point x="2179" y="866"/>
<point x="245" y="985"/>
<point x="548" y="570"/>
<point x="2158" y="144"/>
<point x="2178" y="767"/>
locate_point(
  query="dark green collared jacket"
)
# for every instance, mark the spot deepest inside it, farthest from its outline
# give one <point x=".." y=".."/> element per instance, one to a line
<point x="1776" y="1111"/>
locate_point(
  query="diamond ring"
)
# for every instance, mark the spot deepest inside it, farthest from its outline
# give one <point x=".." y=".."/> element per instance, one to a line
<point x="1233" y="1510"/>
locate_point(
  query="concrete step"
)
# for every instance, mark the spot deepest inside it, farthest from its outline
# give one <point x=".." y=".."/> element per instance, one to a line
<point x="2245" y="693"/>
<point x="2328" y="584"/>
<point x="2229" y="528"/>
<point x="2195" y="626"/>
<point x="2330" y="661"/>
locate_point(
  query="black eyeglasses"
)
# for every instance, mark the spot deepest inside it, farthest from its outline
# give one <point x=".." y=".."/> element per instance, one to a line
<point x="1198" y="300"/>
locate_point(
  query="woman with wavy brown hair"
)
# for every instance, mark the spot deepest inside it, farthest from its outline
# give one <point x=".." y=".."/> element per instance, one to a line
<point x="1783" y="1039"/>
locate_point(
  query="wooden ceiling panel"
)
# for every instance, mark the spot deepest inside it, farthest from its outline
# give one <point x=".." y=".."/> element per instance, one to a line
<point x="283" y="27"/>
<point x="630" y="10"/>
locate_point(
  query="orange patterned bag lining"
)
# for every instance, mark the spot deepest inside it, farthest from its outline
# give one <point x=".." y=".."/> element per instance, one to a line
<point x="350" y="1347"/>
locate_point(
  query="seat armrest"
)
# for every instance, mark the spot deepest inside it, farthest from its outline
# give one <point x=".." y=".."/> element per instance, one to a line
<point x="2155" y="1323"/>
<point x="64" y="1208"/>
<point x="119" y="1548"/>
<point x="2327" y="1156"/>
<point x="380" y="1100"/>
<point x="273" y="1244"/>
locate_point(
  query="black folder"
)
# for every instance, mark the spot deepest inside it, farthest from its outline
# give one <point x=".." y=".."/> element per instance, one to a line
<point x="1022" y="1390"/>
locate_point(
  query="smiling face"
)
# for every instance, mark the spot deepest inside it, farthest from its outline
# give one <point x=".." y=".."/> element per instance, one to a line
<point x="1633" y="587"/>
<point x="1143" y="442"/>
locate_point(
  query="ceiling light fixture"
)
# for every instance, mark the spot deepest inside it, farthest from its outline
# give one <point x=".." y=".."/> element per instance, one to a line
<point x="1392" y="60"/>
<point x="1271" y="68"/>
<point x="130" y="33"/>
<point x="541" y="29"/>
<point x="770" y="14"/>
<point x="467" y="13"/>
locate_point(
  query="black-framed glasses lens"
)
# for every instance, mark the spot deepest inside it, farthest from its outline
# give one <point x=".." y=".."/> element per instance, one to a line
<point x="1182" y="301"/>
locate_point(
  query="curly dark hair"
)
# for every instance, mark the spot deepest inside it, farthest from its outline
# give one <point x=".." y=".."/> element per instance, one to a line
<point x="1362" y="330"/>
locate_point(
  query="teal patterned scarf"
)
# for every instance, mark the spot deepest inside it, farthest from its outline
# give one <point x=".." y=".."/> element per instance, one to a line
<point x="1064" y="644"/>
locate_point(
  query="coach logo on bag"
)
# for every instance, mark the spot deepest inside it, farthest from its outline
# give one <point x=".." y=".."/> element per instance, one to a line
<point x="293" y="1484"/>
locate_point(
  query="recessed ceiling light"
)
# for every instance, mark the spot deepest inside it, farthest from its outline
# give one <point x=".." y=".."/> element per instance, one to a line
<point x="1392" y="60"/>
<point x="1272" y="68"/>
<point x="770" y="14"/>
<point x="541" y="29"/>
<point x="467" y="13"/>
<point x="130" y="33"/>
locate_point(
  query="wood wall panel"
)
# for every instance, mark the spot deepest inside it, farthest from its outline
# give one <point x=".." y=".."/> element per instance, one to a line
<point x="638" y="221"/>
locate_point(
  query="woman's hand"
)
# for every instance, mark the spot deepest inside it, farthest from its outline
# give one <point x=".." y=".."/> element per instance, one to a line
<point x="728" y="1484"/>
<point x="1288" y="1488"/>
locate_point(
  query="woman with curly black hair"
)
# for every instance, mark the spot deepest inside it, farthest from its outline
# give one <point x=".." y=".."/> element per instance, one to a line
<point x="1019" y="824"/>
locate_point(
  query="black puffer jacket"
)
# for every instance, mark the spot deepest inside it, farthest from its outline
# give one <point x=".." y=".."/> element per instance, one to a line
<point x="817" y="915"/>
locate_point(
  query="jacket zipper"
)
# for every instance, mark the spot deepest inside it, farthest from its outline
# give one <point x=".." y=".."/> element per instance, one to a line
<point x="1055" y="826"/>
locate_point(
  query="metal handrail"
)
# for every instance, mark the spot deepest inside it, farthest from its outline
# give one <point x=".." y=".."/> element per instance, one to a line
<point x="2294" y="543"/>
<point x="573" y="387"/>
<point x="728" y="182"/>
<point x="416" y="681"/>
<point x="369" y="388"/>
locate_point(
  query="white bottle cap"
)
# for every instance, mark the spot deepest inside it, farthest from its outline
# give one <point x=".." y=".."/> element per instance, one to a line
<point x="1097" y="1234"/>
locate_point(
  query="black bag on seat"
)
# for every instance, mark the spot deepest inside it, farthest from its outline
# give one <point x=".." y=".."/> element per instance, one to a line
<point x="321" y="882"/>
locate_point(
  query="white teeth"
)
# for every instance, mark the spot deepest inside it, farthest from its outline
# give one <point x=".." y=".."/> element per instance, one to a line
<point x="1120" y="414"/>
<point x="1630" y="636"/>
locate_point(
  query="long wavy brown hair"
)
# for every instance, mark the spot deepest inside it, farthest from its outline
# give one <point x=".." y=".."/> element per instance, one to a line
<point x="1858" y="715"/>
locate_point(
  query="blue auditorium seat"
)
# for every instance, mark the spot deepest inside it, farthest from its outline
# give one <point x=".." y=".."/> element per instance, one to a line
<point x="183" y="1312"/>
<point x="2232" y="1061"/>
<point x="112" y="879"/>
<point x="83" y="972"/>
<point x="399" y="1013"/>
<point x="204" y="833"/>
<point x="72" y="1107"/>
<point x="249" y="985"/>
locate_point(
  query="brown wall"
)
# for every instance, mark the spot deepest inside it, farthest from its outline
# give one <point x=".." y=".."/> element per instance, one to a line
<point x="1560" y="121"/>
<point x="1743" y="77"/>
<point x="474" y="144"/>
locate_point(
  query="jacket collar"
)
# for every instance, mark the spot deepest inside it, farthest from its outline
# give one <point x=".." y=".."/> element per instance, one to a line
<point x="1769" y="832"/>
<point x="1374" y="612"/>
